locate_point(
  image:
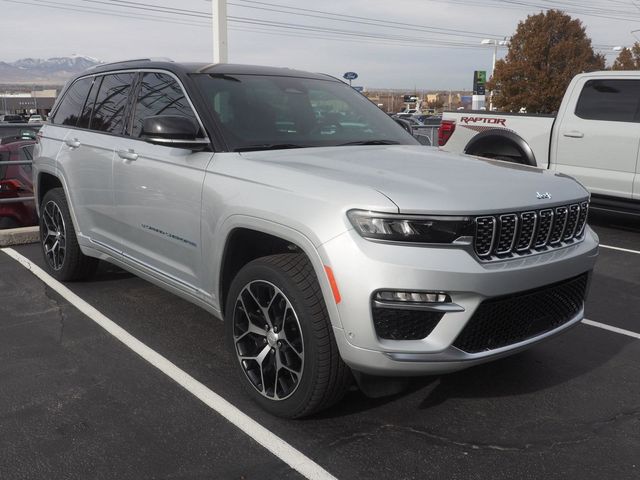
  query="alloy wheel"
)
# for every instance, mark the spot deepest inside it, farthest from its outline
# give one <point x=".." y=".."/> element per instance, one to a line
<point x="54" y="235"/>
<point x="268" y="340"/>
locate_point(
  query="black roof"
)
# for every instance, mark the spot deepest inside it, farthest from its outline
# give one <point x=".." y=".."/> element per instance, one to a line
<point x="211" y="68"/>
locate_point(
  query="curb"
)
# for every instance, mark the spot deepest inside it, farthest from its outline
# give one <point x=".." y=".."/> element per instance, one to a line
<point x="19" y="236"/>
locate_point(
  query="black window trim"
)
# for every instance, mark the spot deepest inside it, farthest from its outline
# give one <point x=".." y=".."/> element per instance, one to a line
<point x="131" y="101"/>
<point x="141" y="72"/>
<point x="636" y="116"/>
<point x="28" y="154"/>
<point x="91" y="93"/>
<point x="127" y="107"/>
<point x="60" y="101"/>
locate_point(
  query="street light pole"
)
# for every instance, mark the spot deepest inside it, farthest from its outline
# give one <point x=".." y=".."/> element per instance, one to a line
<point x="219" y="17"/>
<point x="495" y="43"/>
<point x="495" y="54"/>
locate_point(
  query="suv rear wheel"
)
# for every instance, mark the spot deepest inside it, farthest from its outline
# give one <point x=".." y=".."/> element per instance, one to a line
<point x="63" y="258"/>
<point x="279" y="331"/>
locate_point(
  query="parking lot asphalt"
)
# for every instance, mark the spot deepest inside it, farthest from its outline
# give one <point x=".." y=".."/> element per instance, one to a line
<point x="76" y="403"/>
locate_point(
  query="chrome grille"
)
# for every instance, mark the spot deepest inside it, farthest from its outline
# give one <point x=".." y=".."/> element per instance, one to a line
<point x="572" y="222"/>
<point x="516" y="234"/>
<point x="485" y="233"/>
<point x="528" y="223"/>
<point x="582" y="218"/>
<point x="559" y="225"/>
<point x="544" y="228"/>
<point x="507" y="233"/>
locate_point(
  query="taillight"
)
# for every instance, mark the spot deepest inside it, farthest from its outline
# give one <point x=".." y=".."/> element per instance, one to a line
<point x="10" y="186"/>
<point x="447" y="127"/>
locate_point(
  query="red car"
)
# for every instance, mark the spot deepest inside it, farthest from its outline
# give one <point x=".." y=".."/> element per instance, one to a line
<point x="15" y="181"/>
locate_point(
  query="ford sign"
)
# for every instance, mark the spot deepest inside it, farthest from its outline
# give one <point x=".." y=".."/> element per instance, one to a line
<point x="350" y="76"/>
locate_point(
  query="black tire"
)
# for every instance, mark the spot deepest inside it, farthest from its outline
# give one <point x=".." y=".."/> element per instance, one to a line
<point x="70" y="264"/>
<point x="323" y="377"/>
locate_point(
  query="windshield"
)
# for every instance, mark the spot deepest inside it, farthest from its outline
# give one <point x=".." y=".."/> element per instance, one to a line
<point x="258" y="112"/>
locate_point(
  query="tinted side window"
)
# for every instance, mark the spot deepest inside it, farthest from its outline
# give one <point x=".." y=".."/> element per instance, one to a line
<point x="612" y="100"/>
<point x="25" y="153"/>
<point x="160" y="94"/>
<point x="85" y="118"/>
<point x="111" y="102"/>
<point x="71" y="106"/>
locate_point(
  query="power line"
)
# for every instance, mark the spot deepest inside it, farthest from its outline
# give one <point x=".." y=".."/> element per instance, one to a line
<point x="362" y="20"/>
<point x="62" y="6"/>
<point x="190" y="17"/>
<point x="241" y="20"/>
<point x="593" y="10"/>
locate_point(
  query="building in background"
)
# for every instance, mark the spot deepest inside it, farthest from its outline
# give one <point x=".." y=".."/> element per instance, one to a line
<point x="34" y="102"/>
<point x="393" y="101"/>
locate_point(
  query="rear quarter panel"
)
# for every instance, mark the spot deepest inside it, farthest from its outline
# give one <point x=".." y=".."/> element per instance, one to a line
<point x="534" y="129"/>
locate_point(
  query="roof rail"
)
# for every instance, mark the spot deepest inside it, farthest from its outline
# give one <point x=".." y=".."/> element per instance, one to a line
<point x="152" y="59"/>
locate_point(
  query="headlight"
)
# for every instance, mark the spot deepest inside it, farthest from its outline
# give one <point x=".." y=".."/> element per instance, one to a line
<point x="411" y="228"/>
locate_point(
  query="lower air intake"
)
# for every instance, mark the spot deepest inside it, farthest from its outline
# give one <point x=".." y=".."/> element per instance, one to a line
<point x="396" y="324"/>
<point x="503" y="321"/>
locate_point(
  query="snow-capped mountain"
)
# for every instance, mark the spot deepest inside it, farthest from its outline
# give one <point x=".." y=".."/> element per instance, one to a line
<point x="50" y="70"/>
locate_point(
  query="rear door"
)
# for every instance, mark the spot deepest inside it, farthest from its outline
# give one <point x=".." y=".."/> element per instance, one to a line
<point x="87" y="153"/>
<point x="599" y="136"/>
<point x="158" y="189"/>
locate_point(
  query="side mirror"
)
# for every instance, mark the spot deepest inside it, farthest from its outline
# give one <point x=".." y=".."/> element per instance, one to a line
<point x="172" y="131"/>
<point x="404" y="124"/>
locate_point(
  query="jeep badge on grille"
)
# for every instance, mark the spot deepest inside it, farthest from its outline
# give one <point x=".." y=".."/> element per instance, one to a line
<point x="543" y="195"/>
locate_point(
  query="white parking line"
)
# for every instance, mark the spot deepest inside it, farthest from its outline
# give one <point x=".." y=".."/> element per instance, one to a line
<point x="604" y="326"/>
<point x="621" y="249"/>
<point x="281" y="449"/>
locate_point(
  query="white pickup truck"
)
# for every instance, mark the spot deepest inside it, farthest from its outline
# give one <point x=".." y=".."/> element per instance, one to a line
<point x="595" y="137"/>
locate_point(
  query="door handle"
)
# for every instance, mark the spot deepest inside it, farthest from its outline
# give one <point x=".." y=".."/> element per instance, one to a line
<point x="573" y="134"/>
<point x="128" y="154"/>
<point x="72" y="143"/>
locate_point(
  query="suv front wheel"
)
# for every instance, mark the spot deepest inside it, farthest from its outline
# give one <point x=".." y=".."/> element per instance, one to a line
<point x="279" y="331"/>
<point x="63" y="258"/>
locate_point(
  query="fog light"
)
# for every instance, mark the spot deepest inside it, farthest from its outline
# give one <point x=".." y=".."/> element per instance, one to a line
<point x="414" y="297"/>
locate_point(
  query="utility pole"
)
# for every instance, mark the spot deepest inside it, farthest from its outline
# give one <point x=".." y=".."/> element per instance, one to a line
<point x="219" y="17"/>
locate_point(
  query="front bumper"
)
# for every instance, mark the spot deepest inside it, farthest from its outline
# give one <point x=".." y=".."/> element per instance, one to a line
<point x="362" y="267"/>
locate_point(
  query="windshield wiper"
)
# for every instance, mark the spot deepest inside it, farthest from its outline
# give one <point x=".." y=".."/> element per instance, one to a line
<point x="371" y="142"/>
<point x="269" y="146"/>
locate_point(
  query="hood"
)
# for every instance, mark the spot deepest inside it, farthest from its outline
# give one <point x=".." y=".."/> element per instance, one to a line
<point x="425" y="180"/>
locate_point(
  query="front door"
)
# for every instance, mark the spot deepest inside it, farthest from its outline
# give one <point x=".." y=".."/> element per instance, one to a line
<point x="598" y="138"/>
<point x="97" y="116"/>
<point x="158" y="189"/>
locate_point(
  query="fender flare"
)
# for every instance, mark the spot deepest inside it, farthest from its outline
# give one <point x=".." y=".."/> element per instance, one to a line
<point x="498" y="139"/>
<point x="284" y="232"/>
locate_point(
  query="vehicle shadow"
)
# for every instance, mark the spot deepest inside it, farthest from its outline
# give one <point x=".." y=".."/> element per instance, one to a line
<point x="108" y="272"/>
<point x="628" y="223"/>
<point x="192" y="339"/>
<point x="550" y="364"/>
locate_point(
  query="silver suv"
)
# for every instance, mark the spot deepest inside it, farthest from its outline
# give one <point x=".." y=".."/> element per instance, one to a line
<point x="333" y="244"/>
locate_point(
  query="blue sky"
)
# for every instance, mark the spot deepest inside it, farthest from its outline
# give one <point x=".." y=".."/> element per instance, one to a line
<point x="384" y="54"/>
